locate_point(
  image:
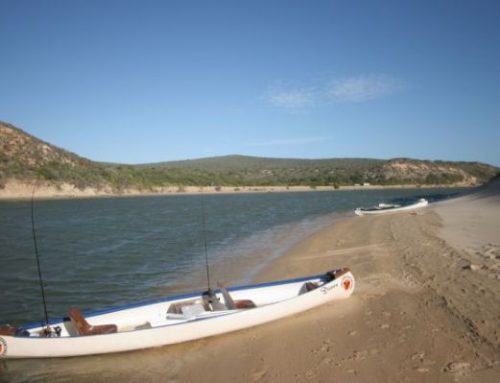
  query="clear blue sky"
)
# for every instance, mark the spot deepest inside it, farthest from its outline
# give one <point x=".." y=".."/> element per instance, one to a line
<point x="146" y="81"/>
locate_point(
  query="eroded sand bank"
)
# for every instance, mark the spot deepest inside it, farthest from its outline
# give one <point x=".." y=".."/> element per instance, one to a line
<point x="19" y="190"/>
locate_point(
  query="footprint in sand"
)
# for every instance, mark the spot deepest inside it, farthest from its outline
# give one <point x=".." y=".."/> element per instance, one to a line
<point x="327" y="361"/>
<point x="418" y="355"/>
<point x="351" y="371"/>
<point x="385" y="326"/>
<point x="258" y="375"/>
<point x="325" y="348"/>
<point x="357" y="355"/>
<point x="310" y="374"/>
<point x="456" y="367"/>
<point x="422" y="369"/>
<point x="491" y="252"/>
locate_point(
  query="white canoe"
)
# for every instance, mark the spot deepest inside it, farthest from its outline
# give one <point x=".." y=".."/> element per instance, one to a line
<point x="386" y="208"/>
<point x="174" y="319"/>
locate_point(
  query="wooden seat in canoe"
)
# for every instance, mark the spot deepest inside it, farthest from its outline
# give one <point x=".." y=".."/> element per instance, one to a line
<point x="244" y="304"/>
<point x="8" y="330"/>
<point x="234" y="304"/>
<point x="83" y="327"/>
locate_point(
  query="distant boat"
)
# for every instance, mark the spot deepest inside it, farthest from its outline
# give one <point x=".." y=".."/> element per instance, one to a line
<point x="383" y="208"/>
<point x="173" y="319"/>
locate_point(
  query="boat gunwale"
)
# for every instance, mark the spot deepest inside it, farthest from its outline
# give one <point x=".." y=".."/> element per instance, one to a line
<point x="196" y="319"/>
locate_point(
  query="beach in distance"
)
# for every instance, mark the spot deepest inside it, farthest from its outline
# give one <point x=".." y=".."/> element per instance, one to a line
<point x="16" y="190"/>
<point x="426" y="308"/>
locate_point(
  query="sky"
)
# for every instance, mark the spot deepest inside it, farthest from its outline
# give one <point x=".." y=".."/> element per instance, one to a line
<point x="148" y="81"/>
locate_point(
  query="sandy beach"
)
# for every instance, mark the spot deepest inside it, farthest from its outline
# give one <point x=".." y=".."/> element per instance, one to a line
<point x="17" y="190"/>
<point x="426" y="306"/>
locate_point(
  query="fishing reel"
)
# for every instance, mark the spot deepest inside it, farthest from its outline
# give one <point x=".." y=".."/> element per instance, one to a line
<point x="50" y="332"/>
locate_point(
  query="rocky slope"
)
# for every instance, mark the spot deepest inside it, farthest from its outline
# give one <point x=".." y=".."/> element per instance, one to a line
<point x="25" y="158"/>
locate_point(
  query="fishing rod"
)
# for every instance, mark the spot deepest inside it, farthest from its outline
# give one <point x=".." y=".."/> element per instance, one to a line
<point x="46" y="326"/>
<point x="205" y="241"/>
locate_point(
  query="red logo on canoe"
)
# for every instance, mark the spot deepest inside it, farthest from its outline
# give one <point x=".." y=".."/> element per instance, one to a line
<point x="347" y="283"/>
<point x="3" y="347"/>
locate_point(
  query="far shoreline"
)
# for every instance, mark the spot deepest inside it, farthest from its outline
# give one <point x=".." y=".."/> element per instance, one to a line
<point x="19" y="191"/>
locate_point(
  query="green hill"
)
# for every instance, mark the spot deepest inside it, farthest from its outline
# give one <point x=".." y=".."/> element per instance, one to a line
<point x="26" y="158"/>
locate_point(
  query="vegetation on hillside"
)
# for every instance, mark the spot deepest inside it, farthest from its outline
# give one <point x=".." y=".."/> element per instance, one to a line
<point x="26" y="158"/>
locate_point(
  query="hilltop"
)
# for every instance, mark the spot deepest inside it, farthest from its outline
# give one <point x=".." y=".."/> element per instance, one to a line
<point x="25" y="158"/>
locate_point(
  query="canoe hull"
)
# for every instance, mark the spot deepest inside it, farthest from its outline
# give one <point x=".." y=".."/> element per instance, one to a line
<point x="183" y="331"/>
<point x="378" y="211"/>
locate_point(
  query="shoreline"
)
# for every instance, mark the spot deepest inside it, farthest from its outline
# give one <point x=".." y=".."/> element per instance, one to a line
<point x="425" y="308"/>
<point x="13" y="191"/>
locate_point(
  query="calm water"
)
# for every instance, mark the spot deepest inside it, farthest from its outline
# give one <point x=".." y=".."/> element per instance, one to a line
<point x="98" y="253"/>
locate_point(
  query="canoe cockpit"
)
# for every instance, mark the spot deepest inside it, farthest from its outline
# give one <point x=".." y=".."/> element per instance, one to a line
<point x="209" y="304"/>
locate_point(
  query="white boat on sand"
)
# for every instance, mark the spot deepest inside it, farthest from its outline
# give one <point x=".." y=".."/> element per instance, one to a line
<point x="173" y="320"/>
<point x="383" y="208"/>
